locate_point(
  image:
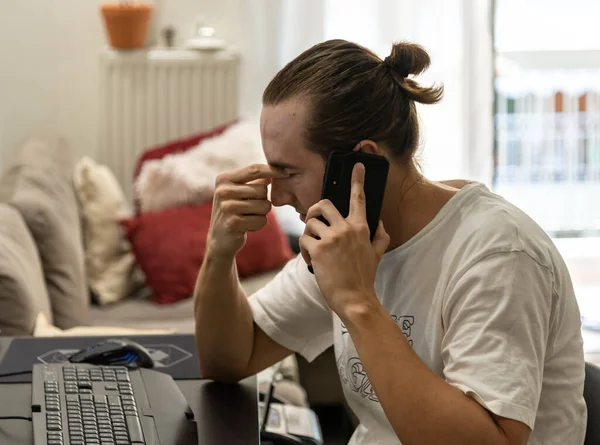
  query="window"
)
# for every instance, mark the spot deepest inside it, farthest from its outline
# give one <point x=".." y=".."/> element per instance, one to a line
<point x="547" y="128"/>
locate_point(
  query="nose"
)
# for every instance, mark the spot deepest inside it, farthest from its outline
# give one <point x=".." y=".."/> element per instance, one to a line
<point x="280" y="195"/>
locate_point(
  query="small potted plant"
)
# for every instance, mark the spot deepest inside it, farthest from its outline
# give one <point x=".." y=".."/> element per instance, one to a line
<point x="127" y="23"/>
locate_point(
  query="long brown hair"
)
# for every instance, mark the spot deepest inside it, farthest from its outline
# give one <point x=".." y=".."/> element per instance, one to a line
<point x="353" y="95"/>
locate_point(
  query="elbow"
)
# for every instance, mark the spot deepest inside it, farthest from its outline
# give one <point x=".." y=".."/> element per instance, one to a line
<point x="221" y="375"/>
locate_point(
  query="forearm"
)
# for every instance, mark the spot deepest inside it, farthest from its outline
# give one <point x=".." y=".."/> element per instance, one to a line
<point x="421" y="407"/>
<point x="224" y="324"/>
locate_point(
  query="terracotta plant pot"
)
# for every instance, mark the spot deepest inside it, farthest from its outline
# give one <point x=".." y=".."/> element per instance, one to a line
<point x="127" y="23"/>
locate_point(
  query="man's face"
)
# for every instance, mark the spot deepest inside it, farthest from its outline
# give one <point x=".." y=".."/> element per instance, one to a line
<point x="281" y="131"/>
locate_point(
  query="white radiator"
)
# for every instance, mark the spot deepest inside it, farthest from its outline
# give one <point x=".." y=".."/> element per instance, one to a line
<point x="153" y="96"/>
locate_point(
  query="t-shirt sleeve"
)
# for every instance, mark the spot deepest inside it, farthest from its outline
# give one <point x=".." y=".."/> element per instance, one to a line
<point x="291" y="310"/>
<point x="496" y="319"/>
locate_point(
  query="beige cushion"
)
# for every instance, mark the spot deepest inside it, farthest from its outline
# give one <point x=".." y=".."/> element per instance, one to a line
<point x="39" y="184"/>
<point x="44" y="328"/>
<point x="22" y="290"/>
<point x="112" y="273"/>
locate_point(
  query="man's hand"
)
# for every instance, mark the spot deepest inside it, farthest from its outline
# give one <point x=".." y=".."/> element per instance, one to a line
<point x="342" y="255"/>
<point x="240" y="206"/>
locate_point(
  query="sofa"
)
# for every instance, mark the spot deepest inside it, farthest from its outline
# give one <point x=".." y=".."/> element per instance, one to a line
<point x="42" y="271"/>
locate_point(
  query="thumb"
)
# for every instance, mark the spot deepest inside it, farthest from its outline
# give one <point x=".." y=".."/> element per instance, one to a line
<point x="304" y="252"/>
<point x="381" y="240"/>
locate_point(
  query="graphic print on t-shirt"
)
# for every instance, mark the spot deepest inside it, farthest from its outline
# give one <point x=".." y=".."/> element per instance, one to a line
<point x="351" y="369"/>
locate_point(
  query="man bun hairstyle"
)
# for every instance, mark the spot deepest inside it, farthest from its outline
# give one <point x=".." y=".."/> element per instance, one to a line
<point x="352" y="95"/>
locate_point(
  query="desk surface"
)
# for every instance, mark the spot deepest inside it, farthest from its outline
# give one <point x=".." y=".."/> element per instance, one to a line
<point x="225" y="413"/>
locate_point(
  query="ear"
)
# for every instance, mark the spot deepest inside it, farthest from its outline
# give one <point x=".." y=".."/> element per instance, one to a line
<point x="370" y="147"/>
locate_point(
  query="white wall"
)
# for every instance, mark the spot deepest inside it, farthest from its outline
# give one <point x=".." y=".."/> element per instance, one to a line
<point x="49" y="62"/>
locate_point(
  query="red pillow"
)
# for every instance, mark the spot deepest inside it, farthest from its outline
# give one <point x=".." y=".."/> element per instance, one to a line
<point x="169" y="246"/>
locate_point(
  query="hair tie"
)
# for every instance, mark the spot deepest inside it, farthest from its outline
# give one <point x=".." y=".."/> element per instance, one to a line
<point x="387" y="62"/>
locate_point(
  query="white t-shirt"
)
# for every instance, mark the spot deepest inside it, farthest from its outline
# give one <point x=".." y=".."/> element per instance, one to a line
<point x="485" y="300"/>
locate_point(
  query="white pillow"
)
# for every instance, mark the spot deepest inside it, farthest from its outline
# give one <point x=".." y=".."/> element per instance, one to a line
<point x="188" y="178"/>
<point x="112" y="273"/>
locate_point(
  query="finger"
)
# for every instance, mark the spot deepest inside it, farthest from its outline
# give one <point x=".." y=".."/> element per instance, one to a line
<point x="246" y="223"/>
<point x="357" y="194"/>
<point x="307" y="243"/>
<point x="315" y="228"/>
<point x="241" y="191"/>
<point x="247" y="207"/>
<point x="327" y="210"/>
<point x="252" y="173"/>
<point x="264" y="181"/>
<point x="381" y="240"/>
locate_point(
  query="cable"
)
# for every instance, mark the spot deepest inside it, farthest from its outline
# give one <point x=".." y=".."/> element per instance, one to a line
<point x="269" y="398"/>
<point x="10" y="374"/>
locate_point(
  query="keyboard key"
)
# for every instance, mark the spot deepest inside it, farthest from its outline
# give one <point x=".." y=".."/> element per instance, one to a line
<point x="53" y="427"/>
<point x="135" y="429"/>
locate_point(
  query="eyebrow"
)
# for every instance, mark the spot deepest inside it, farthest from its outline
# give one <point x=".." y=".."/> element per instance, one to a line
<point x="283" y="165"/>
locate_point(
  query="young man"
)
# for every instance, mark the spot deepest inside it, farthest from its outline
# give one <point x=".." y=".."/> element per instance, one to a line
<point x="457" y="325"/>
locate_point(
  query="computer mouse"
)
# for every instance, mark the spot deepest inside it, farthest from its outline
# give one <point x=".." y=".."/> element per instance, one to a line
<point x="115" y="352"/>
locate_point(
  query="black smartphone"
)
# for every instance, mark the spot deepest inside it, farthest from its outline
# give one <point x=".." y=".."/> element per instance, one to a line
<point x="337" y="183"/>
